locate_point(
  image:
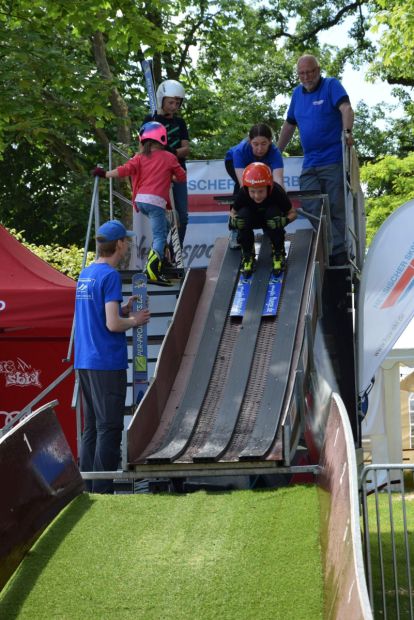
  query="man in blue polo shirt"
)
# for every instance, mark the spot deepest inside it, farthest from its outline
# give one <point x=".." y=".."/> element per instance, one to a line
<point x="101" y="355"/>
<point x="321" y="110"/>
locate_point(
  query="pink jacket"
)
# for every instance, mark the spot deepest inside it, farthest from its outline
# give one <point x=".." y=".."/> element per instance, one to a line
<point x="152" y="174"/>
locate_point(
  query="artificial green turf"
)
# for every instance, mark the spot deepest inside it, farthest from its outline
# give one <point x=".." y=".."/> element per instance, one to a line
<point x="235" y="555"/>
<point x="387" y="551"/>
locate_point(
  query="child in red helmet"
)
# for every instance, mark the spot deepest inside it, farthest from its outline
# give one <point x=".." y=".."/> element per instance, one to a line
<point x="152" y="171"/>
<point x="261" y="203"/>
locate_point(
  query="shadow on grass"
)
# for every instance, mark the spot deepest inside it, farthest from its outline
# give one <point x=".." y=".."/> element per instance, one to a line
<point x="24" y="580"/>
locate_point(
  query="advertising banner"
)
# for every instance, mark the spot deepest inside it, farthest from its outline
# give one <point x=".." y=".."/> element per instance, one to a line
<point x="27" y="367"/>
<point x="208" y="218"/>
<point x="386" y="299"/>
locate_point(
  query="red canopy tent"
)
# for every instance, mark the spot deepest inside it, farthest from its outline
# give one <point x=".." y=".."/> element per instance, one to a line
<point x="36" y="314"/>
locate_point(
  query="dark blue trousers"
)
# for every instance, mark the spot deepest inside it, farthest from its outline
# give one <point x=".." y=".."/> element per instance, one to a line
<point x="103" y="401"/>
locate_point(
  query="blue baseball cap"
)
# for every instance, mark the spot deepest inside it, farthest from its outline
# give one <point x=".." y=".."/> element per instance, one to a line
<point x="113" y="230"/>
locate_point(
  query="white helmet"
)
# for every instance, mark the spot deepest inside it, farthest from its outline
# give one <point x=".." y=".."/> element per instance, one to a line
<point x="169" y="88"/>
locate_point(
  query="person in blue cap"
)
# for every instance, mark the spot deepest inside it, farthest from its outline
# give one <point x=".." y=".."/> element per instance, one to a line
<point x="101" y="357"/>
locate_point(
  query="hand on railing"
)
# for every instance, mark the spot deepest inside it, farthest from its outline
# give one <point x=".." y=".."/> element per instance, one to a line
<point x="99" y="172"/>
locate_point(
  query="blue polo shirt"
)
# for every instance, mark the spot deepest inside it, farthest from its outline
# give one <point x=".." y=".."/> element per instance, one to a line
<point x="242" y="155"/>
<point x="97" y="348"/>
<point x="319" y="121"/>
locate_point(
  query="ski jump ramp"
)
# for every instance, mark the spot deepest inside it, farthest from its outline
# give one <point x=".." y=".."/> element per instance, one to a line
<point x="228" y="391"/>
<point x="229" y="397"/>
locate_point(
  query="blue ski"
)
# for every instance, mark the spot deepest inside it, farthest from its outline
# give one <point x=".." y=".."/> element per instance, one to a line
<point x="274" y="288"/>
<point x="271" y="303"/>
<point x="241" y="296"/>
<point x="146" y="66"/>
<point x="139" y="340"/>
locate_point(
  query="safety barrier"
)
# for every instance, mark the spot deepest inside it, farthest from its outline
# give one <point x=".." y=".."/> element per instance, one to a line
<point x="388" y="521"/>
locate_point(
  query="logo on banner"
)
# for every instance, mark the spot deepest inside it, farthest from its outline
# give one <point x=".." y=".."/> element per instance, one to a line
<point x="8" y="416"/>
<point x="19" y="374"/>
<point x="2" y="305"/>
<point x="402" y="286"/>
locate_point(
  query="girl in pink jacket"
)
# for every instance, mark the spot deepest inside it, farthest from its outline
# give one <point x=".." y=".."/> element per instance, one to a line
<point x="151" y="171"/>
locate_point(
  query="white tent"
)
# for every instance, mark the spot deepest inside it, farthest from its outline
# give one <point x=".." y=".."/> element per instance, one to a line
<point x="381" y="428"/>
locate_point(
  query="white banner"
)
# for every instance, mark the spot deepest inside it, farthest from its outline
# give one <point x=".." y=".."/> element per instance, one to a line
<point x="208" y="219"/>
<point x="386" y="299"/>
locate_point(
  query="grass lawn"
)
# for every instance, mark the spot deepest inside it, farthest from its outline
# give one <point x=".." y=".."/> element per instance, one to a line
<point x="387" y="553"/>
<point x="230" y="555"/>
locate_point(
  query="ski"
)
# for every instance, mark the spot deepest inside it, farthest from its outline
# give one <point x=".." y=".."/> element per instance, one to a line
<point x="139" y="340"/>
<point x="271" y="302"/>
<point x="241" y="296"/>
<point x="146" y="66"/>
<point x="274" y="288"/>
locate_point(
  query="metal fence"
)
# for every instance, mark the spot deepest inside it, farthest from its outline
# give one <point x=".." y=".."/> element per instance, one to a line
<point x="387" y="494"/>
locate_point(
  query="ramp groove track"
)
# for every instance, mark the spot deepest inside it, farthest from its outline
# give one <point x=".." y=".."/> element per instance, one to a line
<point x="233" y="403"/>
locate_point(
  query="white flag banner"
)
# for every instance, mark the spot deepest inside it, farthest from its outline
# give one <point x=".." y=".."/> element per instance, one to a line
<point x="386" y="300"/>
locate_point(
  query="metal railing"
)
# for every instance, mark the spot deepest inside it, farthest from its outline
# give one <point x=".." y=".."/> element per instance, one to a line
<point x="354" y="211"/>
<point x="388" y="523"/>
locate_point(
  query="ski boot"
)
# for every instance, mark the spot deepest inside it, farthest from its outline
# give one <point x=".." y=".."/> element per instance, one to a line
<point x="248" y="264"/>
<point x="278" y="262"/>
<point x="153" y="270"/>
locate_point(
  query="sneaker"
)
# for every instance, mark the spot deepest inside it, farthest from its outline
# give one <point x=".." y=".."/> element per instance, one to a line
<point x="233" y="243"/>
<point x="248" y="265"/>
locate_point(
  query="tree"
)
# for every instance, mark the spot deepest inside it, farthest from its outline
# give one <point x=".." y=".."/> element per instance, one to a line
<point x="393" y="21"/>
<point x="390" y="183"/>
<point x="71" y="82"/>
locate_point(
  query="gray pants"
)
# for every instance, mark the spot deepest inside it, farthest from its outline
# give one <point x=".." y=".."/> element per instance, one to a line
<point x="328" y="180"/>
<point x="103" y="400"/>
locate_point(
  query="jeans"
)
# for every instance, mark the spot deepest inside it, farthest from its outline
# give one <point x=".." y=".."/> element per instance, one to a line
<point x="180" y="195"/>
<point x="328" y="180"/>
<point x="103" y="401"/>
<point x="159" y="226"/>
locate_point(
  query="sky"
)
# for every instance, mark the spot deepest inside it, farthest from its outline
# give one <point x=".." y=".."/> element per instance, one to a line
<point x="354" y="81"/>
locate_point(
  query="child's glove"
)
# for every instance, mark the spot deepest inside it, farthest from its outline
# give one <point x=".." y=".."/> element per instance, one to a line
<point x="99" y="172"/>
<point x="237" y="223"/>
<point x="278" y="221"/>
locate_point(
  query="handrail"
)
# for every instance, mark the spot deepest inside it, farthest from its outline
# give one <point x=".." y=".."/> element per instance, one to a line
<point x="93" y="210"/>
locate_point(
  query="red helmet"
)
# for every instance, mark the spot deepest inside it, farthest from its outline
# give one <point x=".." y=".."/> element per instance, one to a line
<point x="257" y="174"/>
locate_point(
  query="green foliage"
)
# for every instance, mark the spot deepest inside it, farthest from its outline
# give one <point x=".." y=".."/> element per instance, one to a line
<point x="374" y="131"/>
<point x="71" y="83"/>
<point x="66" y="260"/>
<point x="394" y="21"/>
<point x="389" y="184"/>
